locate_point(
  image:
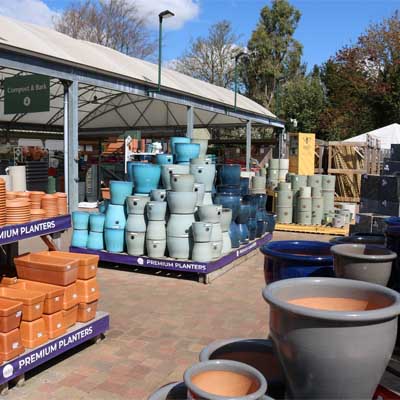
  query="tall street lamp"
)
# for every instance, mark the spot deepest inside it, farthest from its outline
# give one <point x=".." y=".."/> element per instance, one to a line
<point x="237" y="58"/>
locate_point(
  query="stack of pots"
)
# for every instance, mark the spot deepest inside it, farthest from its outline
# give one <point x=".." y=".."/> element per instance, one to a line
<point x="317" y="201"/>
<point x="156" y="235"/>
<point x="328" y="194"/>
<point x="252" y="220"/>
<point x="115" y="221"/>
<point x="226" y="219"/>
<point x="210" y="215"/>
<point x="258" y="184"/>
<point x="182" y="200"/>
<point x="169" y="169"/>
<point x="175" y="140"/>
<point x="95" y="238"/>
<point x="203" y="171"/>
<point x="202" y="247"/>
<point x="242" y="221"/>
<point x="303" y="206"/>
<point x="80" y="222"/>
<point x="296" y="182"/>
<point x="146" y="177"/>
<point x="283" y="169"/>
<point x="136" y="224"/>
<point x="273" y="173"/>
<point x="186" y="151"/>
<point x="284" y="201"/>
<point x="162" y="159"/>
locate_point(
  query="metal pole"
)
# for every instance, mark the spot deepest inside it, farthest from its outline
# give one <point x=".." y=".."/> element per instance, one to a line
<point x="189" y="121"/>
<point x="248" y="145"/>
<point x="236" y="82"/>
<point x="66" y="139"/>
<point x="73" y="173"/>
<point x="159" y="53"/>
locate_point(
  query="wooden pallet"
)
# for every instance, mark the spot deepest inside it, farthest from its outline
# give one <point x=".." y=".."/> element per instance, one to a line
<point x="320" y="229"/>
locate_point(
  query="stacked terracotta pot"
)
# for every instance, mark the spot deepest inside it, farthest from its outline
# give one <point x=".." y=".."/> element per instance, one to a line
<point x="36" y="200"/>
<point x="62" y="203"/>
<point x="3" y="212"/>
<point x="49" y="204"/>
<point x="18" y="211"/>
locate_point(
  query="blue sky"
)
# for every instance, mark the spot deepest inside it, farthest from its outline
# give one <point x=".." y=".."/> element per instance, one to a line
<point x="325" y="26"/>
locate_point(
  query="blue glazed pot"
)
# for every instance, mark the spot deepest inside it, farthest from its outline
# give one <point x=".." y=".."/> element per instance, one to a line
<point x="244" y="233"/>
<point x="244" y="186"/>
<point x="234" y="234"/>
<point x="252" y="201"/>
<point x="177" y="139"/>
<point x="115" y="240"/>
<point x="229" y="189"/>
<point x="103" y="206"/>
<point x="261" y="227"/>
<point x="296" y="259"/>
<point x="79" y="238"/>
<point x="119" y="190"/>
<point x="115" y="217"/>
<point x="80" y="220"/>
<point x="146" y="177"/>
<point x="95" y="241"/>
<point x="270" y="220"/>
<point x="244" y="214"/>
<point x="252" y="227"/>
<point x="229" y="201"/>
<point x="96" y="221"/>
<point x="162" y="159"/>
<point x="260" y="201"/>
<point x="186" y="151"/>
<point x="229" y="174"/>
<point x="129" y="169"/>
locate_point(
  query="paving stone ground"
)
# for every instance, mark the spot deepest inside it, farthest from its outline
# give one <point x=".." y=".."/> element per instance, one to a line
<point x="158" y="327"/>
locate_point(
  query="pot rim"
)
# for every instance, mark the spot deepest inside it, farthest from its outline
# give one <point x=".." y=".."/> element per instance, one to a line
<point x="350" y="316"/>
<point x="220" y="364"/>
<point x="340" y="250"/>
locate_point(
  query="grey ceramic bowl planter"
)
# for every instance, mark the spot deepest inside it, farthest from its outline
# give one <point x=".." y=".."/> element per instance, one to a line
<point x="182" y="182"/>
<point x="332" y="354"/>
<point x="194" y="392"/>
<point x="181" y="202"/>
<point x="363" y="262"/>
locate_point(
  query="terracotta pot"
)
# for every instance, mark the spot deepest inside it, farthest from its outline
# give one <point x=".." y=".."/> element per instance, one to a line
<point x="10" y="314"/>
<point x="219" y="379"/>
<point x="55" y="325"/>
<point x="87" y="311"/>
<point x="70" y="296"/>
<point x="363" y="262"/>
<point x="105" y="193"/>
<point x="10" y="345"/>
<point x="350" y="327"/>
<point x="70" y="316"/>
<point x="33" y="333"/>
<point x="88" y="290"/>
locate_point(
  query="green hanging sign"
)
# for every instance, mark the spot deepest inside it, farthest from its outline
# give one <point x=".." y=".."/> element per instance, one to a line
<point x="26" y="94"/>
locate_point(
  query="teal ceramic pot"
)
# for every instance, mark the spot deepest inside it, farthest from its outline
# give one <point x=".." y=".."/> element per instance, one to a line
<point x="95" y="241"/>
<point x="80" y="220"/>
<point x="156" y="248"/>
<point x="79" y="238"/>
<point x="156" y="210"/>
<point x="204" y="173"/>
<point x="177" y="139"/>
<point x="180" y="247"/>
<point x="146" y="177"/>
<point x="129" y="169"/>
<point x="156" y="230"/>
<point x="158" y="195"/>
<point x="170" y="169"/>
<point x="135" y="243"/>
<point x="136" y="204"/>
<point x="119" y="190"/>
<point x="96" y="222"/>
<point x="186" y="151"/>
<point x="136" y="223"/>
<point x="115" y="217"/>
<point x="115" y="240"/>
<point x="162" y="159"/>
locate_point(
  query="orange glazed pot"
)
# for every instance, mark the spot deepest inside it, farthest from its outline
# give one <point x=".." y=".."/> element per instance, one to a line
<point x="87" y="311"/>
<point x="33" y="333"/>
<point x="46" y="269"/>
<point x="70" y="296"/>
<point x="10" y="345"/>
<point x="55" y="325"/>
<point x="87" y="263"/>
<point x="70" y="316"/>
<point x="32" y="302"/>
<point x="10" y="315"/>
<point x="88" y="290"/>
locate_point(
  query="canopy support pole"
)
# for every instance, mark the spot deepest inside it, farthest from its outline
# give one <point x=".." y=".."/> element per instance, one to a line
<point x="248" y="144"/>
<point x="66" y="139"/>
<point x="189" y="121"/>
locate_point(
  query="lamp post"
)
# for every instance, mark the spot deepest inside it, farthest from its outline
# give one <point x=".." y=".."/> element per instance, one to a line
<point x="237" y="57"/>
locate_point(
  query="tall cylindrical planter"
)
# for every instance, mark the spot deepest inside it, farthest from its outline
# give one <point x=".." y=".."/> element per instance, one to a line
<point x="95" y="241"/>
<point x="135" y="243"/>
<point x="115" y="217"/>
<point x="328" y="182"/>
<point x="317" y="210"/>
<point x="350" y="327"/>
<point x="79" y="238"/>
<point x="156" y="248"/>
<point x="96" y="222"/>
<point x="114" y="240"/>
<point x="119" y="190"/>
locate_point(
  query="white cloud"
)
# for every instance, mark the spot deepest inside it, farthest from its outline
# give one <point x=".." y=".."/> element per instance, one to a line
<point x="184" y="10"/>
<point x="33" y="11"/>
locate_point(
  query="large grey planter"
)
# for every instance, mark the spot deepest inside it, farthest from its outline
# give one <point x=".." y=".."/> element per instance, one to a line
<point x="135" y="243"/>
<point x="156" y="248"/>
<point x="156" y="230"/>
<point x="204" y="173"/>
<point x="180" y="247"/>
<point x="210" y="213"/>
<point x="136" y="223"/>
<point x="363" y="262"/>
<point x="332" y="354"/>
<point x="179" y="225"/>
<point x="168" y="169"/>
<point x="136" y="204"/>
<point x="182" y="202"/>
<point x="202" y="252"/>
<point x="182" y="182"/>
<point x="202" y="231"/>
<point x="156" y="210"/>
<point x="199" y="189"/>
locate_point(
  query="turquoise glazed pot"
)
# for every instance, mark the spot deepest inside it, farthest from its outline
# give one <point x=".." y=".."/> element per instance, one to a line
<point x="146" y="177"/>
<point x="186" y="151"/>
<point x="80" y="220"/>
<point x="96" y="221"/>
<point x="129" y="168"/>
<point x="103" y="206"/>
<point x="115" y="240"/>
<point x="79" y="238"/>
<point x="115" y="217"/>
<point x="95" y="241"/>
<point x="162" y="159"/>
<point x="177" y="139"/>
<point x="119" y="190"/>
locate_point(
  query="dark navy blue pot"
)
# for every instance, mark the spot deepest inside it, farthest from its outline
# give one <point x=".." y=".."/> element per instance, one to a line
<point x="244" y="186"/>
<point x="229" y="174"/>
<point x="229" y="189"/>
<point x="296" y="259"/>
<point x="270" y="221"/>
<point x="261" y="201"/>
<point x="250" y="199"/>
<point x="229" y="201"/>
<point x="375" y="239"/>
<point x="252" y="227"/>
<point x="261" y="227"/>
<point x="392" y="234"/>
<point x="244" y="233"/>
<point x="244" y="214"/>
<point x="234" y="234"/>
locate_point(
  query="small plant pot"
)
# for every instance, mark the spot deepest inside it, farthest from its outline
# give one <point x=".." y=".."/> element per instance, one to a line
<point x="182" y="182"/>
<point x="119" y="190"/>
<point x="96" y="222"/>
<point x="80" y="220"/>
<point x="163" y="159"/>
<point x="158" y="195"/>
<point x="363" y="262"/>
<point x="156" y="210"/>
<point x="136" y="204"/>
<point x="186" y="151"/>
<point x="135" y="243"/>
<point x="202" y="231"/>
<point x="210" y="213"/>
<point x="156" y="248"/>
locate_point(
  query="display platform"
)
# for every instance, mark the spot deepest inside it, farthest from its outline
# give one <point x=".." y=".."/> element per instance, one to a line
<point x="320" y="229"/>
<point x="177" y="265"/>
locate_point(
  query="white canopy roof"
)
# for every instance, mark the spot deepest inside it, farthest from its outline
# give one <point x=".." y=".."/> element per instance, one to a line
<point x="111" y="108"/>
<point x="387" y="135"/>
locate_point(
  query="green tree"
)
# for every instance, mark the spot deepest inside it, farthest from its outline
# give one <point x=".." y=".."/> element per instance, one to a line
<point x="275" y="54"/>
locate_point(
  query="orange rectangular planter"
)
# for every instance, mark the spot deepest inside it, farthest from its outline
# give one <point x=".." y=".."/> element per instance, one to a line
<point x="70" y="296"/>
<point x="88" y="290"/>
<point x="87" y="263"/>
<point x="33" y="333"/>
<point x="70" y="316"/>
<point x="10" y="314"/>
<point x="32" y="302"/>
<point x="55" y="325"/>
<point x="10" y="345"/>
<point x="46" y="269"/>
<point x="87" y="311"/>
